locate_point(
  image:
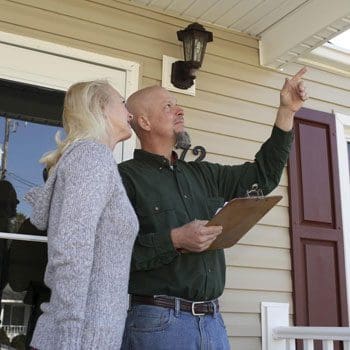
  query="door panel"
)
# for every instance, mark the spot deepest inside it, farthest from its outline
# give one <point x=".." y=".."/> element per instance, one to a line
<point x="314" y="160"/>
<point x="320" y="259"/>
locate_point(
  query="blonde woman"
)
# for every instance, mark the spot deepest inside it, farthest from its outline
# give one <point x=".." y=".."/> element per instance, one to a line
<point x="90" y="222"/>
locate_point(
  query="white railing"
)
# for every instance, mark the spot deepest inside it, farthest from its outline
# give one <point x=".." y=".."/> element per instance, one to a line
<point x="23" y="237"/>
<point x="12" y="330"/>
<point x="278" y="335"/>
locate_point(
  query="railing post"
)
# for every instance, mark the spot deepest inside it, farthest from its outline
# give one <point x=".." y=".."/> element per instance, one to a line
<point x="308" y="344"/>
<point x="273" y="315"/>
<point x="327" y="345"/>
<point x="346" y="345"/>
<point x="290" y="344"/>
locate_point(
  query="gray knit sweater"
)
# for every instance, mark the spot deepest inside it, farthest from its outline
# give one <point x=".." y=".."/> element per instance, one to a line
<point x="91" y="230"/>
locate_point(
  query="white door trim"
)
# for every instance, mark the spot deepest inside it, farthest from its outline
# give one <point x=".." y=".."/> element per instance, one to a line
<point x="131" y="69"/>
<point x="343" y="136"/>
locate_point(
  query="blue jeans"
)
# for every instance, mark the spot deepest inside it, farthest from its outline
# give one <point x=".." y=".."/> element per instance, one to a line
<point x="151" y="327"/>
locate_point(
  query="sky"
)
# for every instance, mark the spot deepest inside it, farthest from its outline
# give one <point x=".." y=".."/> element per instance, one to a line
<point x="27" y="144"/>
<point x="342" y="40"/>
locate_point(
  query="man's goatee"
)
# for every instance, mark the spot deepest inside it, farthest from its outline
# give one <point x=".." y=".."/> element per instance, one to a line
<point x="183" y="140"/>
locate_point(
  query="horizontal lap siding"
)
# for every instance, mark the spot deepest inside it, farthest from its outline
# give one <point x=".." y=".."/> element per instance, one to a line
<point x="232" y="113"/>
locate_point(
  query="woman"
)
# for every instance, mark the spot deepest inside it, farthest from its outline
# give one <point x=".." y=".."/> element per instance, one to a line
<point x="90" y="223"/>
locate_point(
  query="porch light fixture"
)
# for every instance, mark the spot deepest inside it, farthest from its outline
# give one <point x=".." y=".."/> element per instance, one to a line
<point x="194" y="39"/>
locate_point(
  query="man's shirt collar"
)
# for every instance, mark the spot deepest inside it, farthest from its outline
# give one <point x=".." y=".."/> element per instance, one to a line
<point x="155" y="159"/>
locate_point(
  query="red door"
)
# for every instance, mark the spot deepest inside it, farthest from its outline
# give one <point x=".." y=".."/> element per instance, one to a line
<point x="316" y="226"/>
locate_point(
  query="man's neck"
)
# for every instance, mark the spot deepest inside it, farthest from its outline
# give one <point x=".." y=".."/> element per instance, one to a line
<point x="161" y="150"/>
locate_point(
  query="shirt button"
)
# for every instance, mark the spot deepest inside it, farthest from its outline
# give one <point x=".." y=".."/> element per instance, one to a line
<point x="185" y="196"/>
<point x="209" y="270"/>
<point x="160" y="168"/>
<point x="156" y="208"/>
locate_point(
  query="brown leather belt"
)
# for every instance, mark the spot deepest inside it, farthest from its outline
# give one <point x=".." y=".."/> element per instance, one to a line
<point x="197" y="308"/>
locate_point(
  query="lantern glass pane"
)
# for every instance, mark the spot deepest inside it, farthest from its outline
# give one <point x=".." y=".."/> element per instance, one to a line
<point x="203" y="51"/>
<point x="187" y="48"/>
<point x="198" y="49"/>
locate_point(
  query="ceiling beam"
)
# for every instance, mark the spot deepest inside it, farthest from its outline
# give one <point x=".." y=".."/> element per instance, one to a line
<point x="308" y="27"/>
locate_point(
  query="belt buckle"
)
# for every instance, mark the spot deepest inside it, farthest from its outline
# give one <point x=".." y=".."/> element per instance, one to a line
<point x="194" y="303"/>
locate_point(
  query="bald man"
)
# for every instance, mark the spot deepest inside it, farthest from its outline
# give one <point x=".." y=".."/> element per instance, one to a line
<point x="175" y="281"/>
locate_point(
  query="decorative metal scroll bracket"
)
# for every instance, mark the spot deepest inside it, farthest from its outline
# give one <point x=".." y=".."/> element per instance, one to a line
<point x="255" y="191"/>
<point x="197" y="151"/>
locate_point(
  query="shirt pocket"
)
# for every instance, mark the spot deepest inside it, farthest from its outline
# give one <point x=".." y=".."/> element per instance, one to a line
<point x="157" y="216"/>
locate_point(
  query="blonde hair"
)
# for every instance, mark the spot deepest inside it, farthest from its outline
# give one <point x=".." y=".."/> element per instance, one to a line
<point x="83" y="116"/>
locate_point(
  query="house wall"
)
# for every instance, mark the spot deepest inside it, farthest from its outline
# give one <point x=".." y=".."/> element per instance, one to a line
<point x="231" y="114"/>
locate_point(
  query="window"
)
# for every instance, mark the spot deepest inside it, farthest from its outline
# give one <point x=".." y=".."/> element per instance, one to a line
<point x="343" y="145"/>
<point x="6" y="319"/>
<point x="26" y="143"/>
<point x="13" y="314"/>
<point x="349" y="155"/>
<point x="29" y="120"/>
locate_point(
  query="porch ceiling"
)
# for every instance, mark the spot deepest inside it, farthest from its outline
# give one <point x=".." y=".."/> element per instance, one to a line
<point x="287" y="29"/>
<point x="248" y="16"/>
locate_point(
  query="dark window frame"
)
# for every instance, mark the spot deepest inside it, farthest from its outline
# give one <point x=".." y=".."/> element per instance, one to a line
<point x="31" y="103"/>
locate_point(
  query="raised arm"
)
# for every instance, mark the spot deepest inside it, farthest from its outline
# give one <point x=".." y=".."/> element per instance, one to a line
<point x="292" y="97"/>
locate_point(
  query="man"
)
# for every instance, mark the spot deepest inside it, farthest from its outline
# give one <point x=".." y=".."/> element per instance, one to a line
<point x="175" y="281"/>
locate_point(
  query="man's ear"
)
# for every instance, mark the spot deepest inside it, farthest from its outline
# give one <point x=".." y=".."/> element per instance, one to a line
<point x="143" y="122"/>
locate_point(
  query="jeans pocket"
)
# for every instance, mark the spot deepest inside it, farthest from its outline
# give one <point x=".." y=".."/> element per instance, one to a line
<point x="146" y="318"/>
<point x="220" y="320"/>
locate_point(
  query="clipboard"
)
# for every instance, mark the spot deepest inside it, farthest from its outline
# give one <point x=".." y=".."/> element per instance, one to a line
<point x="238" y="216"/>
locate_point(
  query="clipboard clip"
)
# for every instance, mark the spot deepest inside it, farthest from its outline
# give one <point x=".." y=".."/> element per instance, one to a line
<point x="255" y="192"/>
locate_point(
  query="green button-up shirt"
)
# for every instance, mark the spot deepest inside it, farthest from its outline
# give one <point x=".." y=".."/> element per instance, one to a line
<point x="165" y="197"/>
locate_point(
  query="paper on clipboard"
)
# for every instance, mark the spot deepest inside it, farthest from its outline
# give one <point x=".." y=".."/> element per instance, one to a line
<point x="238" y="216"/>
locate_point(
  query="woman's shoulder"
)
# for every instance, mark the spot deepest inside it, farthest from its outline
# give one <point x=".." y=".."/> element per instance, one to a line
<point x="87" y="149"/>
<point x="87" y="154"/>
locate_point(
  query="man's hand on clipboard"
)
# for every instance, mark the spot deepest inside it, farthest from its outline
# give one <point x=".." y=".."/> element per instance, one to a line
<point x="239" y="215"/>
<point x="194" y="236"/>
